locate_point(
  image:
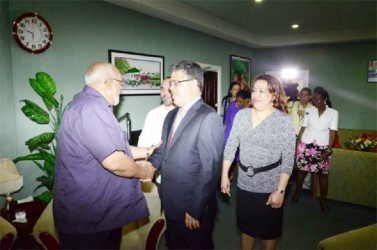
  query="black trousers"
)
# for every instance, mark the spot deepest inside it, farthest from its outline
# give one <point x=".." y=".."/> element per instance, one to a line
<point x="180" y="237"/>
<point x="102" y="240"/>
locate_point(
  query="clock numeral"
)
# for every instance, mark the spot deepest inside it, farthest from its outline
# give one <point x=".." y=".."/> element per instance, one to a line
<point x="22" y="38"/>
<point x="27" y="21"/>
<point x="22" y="25"/>
<point x="46" y="35"/>
<point x="20" y="31"/>
<point x="44" y="41"/>
<point x="33" y="46"/>
<point x="45" y="30"/>
<point x="27" y="44"/>
<point x="34" y="20"/>
<point x="40" y="45"/>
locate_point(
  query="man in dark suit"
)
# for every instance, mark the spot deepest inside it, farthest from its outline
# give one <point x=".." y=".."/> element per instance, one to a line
<point x="190" y="159"/>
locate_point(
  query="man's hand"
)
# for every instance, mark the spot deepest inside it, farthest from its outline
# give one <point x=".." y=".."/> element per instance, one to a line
<point x="148" y="169"/>
<point x="191" y="223"/>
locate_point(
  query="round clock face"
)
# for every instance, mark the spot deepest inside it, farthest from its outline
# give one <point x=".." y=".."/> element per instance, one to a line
<point x="32" y="33"/>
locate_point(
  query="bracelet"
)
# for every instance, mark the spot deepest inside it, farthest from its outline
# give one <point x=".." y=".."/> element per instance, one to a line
<point x="329" y="151"/>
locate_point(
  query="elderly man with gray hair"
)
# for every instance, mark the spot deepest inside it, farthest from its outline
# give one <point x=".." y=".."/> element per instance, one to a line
<point x="97" y="181"/>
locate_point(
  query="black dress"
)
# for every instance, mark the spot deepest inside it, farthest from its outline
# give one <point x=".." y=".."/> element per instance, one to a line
<point x="257" y="219"/>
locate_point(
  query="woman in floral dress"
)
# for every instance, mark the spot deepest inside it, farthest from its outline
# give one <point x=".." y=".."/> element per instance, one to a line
<point x="315" y="142"/>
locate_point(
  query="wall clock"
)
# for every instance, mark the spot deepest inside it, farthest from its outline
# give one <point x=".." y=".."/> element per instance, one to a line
<point x="32" y="33"/>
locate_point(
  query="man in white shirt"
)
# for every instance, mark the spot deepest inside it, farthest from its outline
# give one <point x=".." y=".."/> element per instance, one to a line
<point x="151" y="134"/>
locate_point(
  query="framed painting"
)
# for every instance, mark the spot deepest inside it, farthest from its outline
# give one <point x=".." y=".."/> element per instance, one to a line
<point x="372" y="71"/>
<point x="240" y="70"/>
<point x="142" y="73"/>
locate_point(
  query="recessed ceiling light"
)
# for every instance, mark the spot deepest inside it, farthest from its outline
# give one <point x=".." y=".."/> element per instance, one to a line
<point x="258" y="1"/>
<point x="295" y="26"/>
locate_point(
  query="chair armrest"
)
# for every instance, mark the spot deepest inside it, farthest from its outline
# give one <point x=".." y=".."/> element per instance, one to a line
<point x="7" y="241"/>
<point x="49" y="242"/>
<point x="151" y="230"/>
<point x="8" y="234"/>
<point x="362" y="238"/>
<point x="155" y="234"/>
<point x="45" y="228"/>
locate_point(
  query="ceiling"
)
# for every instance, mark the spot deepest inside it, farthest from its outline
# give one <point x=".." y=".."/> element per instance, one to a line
<point x="268" y="24"/>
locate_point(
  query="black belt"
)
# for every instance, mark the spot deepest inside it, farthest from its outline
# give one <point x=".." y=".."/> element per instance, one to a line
<point x="250" y="171"/>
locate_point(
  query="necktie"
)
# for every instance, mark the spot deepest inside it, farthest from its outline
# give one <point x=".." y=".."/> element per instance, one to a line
<point x="177" y="121"/>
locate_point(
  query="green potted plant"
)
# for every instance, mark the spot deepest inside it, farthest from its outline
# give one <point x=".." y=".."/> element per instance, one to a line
<point x="43" y="147"/>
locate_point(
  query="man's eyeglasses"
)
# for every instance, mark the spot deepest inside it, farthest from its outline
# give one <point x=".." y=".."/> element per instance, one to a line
<point x="175" y="83"/>
<point x="122" y="82"/>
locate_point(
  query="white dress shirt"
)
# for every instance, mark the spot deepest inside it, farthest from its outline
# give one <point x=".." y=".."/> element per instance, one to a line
<point x="152" y="130"/>
<point x="318" y="127"/>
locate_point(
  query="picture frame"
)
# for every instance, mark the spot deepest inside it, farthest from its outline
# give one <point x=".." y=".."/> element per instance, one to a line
<point x="142" y="73"/>
<point x="240" y="70"/>
<point x="372" y="71"/>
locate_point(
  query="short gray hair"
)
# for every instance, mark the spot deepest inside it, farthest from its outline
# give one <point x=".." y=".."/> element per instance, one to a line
<point x="99" y="71"/>
<point x="191" y="69"/>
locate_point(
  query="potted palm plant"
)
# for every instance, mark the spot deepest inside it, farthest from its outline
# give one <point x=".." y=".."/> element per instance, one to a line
<point x="43" y="147"/>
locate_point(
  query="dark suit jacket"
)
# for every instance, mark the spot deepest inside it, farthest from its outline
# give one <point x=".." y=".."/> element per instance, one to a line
<point x="191" y="163"/>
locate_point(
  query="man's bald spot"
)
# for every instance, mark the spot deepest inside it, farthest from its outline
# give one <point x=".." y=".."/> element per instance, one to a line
<point x="99" y="72"/>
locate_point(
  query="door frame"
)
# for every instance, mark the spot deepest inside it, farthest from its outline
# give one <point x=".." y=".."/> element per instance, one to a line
<point x="217" y="69"/>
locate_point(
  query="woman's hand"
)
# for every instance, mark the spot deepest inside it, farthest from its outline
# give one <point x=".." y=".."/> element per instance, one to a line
<point x="301" y="112"/>
<point x="325" y="156"/>
<point x="276" y="199"/>
<point x="225" y="185"/>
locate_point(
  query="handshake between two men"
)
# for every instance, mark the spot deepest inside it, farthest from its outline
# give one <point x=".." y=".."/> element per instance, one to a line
<point x="149" y="170"/>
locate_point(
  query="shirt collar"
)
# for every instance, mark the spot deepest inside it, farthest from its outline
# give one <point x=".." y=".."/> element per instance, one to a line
<point x="188" y="105"/>
<point x="91" y="91"/>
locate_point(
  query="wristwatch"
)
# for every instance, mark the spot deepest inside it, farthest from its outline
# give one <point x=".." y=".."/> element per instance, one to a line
<point x="280" y="191"/>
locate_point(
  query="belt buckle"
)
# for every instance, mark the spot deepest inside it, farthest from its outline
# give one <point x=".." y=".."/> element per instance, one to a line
<point x="250" y="171"/>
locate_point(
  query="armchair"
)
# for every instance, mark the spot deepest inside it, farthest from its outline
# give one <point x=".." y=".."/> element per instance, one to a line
<point x="146" y="233"/>
<point x="141" y="234"/>
<point x="8" y="234"/>
<point x="361" y="238"/>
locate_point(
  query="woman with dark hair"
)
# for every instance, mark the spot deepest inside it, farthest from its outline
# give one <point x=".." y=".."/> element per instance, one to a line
<point x="266" y="138"/>
<point x="234" y="87"/>
<point x="315" y="142"/>
<point x="296" y="110"/>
